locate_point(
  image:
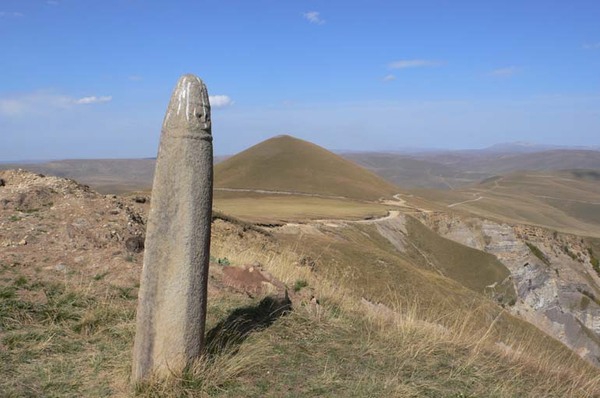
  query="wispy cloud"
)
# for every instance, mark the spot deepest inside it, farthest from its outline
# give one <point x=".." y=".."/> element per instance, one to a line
<point x="592" y="46"/>
<point x="314" y="17"/>
<point x="11" y="14"/>
<point x="412" y="63"/>
<point x="220" y="101"/>
<point x="93" y="100"/>
<point x="389" y="78"/>
<point x="10" y="107"/>
<point x="135" y="78"/>
<point x="504" y="72"/>
<point x="42" y="101"/>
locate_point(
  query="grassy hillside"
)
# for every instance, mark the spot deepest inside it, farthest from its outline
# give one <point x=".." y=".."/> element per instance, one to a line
<point x="288" y="164"/>
<point x="428" y="336"/>
<point x="366" y="319"/>
<point x="567" y="201"/>
<point x="471" y="268"/>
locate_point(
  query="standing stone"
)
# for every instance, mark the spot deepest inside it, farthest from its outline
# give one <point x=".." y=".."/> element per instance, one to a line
<point x="172" y="299"/>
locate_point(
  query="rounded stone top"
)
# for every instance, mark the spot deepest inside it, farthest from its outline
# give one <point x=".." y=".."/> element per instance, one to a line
<point x="189" y="109"/>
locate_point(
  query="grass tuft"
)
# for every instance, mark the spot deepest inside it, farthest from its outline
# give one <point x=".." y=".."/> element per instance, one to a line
<point x="300" y="284"/>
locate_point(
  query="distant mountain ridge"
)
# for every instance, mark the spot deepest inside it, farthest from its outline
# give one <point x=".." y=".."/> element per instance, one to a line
<point x="454" y="169"/>
<point x="413" y="168"/>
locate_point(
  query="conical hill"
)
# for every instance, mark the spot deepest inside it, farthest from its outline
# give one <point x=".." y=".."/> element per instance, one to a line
<point x="288" y="164"/>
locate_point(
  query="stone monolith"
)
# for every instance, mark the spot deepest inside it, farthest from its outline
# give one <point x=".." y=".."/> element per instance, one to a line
<point x="172" y="298"/>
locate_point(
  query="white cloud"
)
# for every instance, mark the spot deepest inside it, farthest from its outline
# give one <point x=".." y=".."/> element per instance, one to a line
<point x="10" y="107"/>
<point x="412" y="63"/>
<point x="592" y="46"/>
<point x="504" y="72"/>
<point x="136" y="78"/>
<point x="389" y="78"/>
<point x="43" y="101"/>
<point x="219" y="101"/>
<point x="10" y="14"/>
<point x="93" y="100"/>
<point x="314" y="17"/>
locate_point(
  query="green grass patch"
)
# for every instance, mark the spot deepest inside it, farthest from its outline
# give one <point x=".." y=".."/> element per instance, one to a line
<point x="62" y="341"/>
<point x="472" y="268"/>
<point x="125" y="292"/>
<point x="594" y="261"/>
<point x="589" y="295"/>
<point x="538" y="253"/>
<point x="300" y="284"/>
<point x="21" y="281"/>
<point x="569" y="253"/>
<point x="99" y="277"/>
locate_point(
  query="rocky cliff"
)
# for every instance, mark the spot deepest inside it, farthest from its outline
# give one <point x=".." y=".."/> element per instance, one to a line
<point x="554" y="274"/>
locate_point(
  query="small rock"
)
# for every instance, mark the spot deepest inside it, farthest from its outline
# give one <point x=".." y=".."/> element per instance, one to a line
<point x="23" y="242"/>
<point x="135" y="244"/>
<point x="308" y="262"/>
<point x="139" y="199"/>
<point x="252" y="281"/>
<point x="2" y="182"/>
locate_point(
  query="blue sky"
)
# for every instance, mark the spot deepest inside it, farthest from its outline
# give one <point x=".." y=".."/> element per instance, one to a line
<point x="92" y="79"/>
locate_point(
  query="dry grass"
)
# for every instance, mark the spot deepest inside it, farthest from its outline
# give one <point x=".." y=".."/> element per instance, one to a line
<point x="470" y="267"/>
<point x="288" y="164"/>
<point x="209" y="376"/>
<point x="78" y="342"/>
<point x="63" y="338"/>
<point x="281" y="208"/>
<point x="566" y="201"/>
<point x="413" y="349"/>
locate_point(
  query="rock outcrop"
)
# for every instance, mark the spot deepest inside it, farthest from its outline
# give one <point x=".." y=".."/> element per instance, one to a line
<point x="557" y="287"/>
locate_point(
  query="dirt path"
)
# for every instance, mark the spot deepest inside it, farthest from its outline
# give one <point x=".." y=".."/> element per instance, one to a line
<point x="398" y="201"/>
<point x="466" y="201"/>
<point x="266" y="191"/>
<point x="337" y="222"/>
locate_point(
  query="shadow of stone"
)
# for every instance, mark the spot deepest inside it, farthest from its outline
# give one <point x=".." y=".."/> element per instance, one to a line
<point x="231" y="332"/>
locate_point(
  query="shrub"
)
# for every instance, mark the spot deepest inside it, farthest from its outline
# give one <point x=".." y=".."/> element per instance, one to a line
<point x="594" y="261"/>
<point x="538" y="253"/>
<point x="223" y="261"/>
<point x="569" y="252"/>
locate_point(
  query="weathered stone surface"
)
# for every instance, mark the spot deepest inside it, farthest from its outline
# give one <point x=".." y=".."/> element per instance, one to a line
<point x="172" y="299"/>
<point x="559" y="297"/>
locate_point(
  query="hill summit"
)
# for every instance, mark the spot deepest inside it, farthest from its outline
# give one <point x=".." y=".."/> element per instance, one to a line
<point x="285" y="163"/>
